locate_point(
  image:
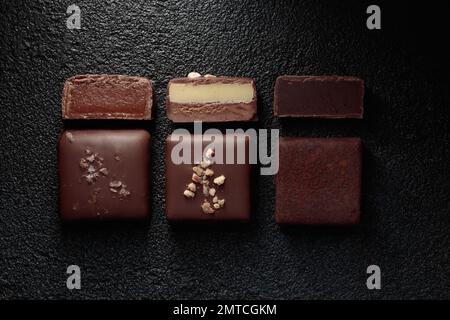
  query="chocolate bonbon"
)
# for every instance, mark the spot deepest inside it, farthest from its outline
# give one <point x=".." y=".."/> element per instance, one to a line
<point x="319" y="181"/>
<point x="211" y="99"/>
<point x="207" y="190"/>
<point x="107" y="97"/>
<point x="319" y="96"/>
<point x="104" y="174"/>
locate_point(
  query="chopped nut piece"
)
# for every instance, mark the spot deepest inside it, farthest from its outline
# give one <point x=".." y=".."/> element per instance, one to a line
<point x="212" y="192"/>
<point x="198" y="170"/>
<point x="113" y="190"/>
<point x="91" y="158"/>
<point x="205" y="190"/>
<point x="103" y="171"/>
<point x="124" y="192"/>
<point x="219" y="180"/>
<point x="91" y="169"/>
<point x="193" y="75"/>
<point x="83" y="163"/>
<point x="215" y="199"/>
<point x="196" y="178"/>
<point x="117" y="158"/>
<point x="90" y="178"/>
<point x="192" y="187"/>
<point x="88" y="151"/>
<point x="188" y="194"/>
<point x="115" y="184"/>
<point x="206" y="207"/>
<point x="221" y="202"/>
<point x="216" y="206"/>
<point x="209" y="172"/>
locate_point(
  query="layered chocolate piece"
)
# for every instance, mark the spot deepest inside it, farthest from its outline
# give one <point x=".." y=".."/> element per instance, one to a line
<point x="104" y="174"/>
<point x="107" y="97"/>
<point x="211" y="99"/>
<point x="319" y="96"/>
<point x="207" y="187"/>
<point x="319" y="181"/>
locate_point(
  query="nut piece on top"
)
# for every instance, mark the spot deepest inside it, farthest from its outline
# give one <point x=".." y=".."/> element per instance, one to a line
<point x="107" y="97"/>
<point x="211" y="99"/>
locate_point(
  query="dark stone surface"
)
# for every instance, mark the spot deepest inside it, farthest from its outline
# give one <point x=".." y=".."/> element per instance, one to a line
<point x="405" y="133"/>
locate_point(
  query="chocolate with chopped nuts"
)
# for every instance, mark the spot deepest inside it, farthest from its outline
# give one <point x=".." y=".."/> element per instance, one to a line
<point x="207" y="190"/>
<point x="104" y="174"/>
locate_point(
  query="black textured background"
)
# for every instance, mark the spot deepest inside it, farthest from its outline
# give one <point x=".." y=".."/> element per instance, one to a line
<point x="405" y="131"/>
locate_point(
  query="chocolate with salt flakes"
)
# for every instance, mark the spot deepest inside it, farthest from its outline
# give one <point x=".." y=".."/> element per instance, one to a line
<point x="211" y="99"/>
<point x="207" y="191"/>
<point x="104" y="174"/>
<point x="319" y="181"/>
<point x="107" y="97"/>
<point x="319" y="97"/>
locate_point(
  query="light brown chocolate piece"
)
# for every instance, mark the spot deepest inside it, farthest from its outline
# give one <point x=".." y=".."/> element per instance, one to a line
<point x="107" y="97"/>
<point x="211" y="99"/>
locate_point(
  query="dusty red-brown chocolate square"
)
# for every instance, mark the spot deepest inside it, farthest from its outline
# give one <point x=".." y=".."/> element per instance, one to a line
<point x="319" y="181"/>
<point x="235" y="190"/>
<point x="104" y="174"/>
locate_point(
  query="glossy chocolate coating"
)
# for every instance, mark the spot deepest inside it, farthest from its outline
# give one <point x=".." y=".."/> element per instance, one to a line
<point x="235" y="190"/>
<point x="319" y="181"/>
<point x="319" y="97"/>
<point x="107" y="97"/>
<point x="104" y="174"/>
<point x="211" y="112"/>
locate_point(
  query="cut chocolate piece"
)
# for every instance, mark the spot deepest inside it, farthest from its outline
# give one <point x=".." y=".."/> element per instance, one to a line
<point x="107" y="97"/>
<point x="207" y="190"/>
<point x="319" y="96"/>
<point x="104" y="174"/>
<point x="319" y="181"/>
<point x="211" y="99"/>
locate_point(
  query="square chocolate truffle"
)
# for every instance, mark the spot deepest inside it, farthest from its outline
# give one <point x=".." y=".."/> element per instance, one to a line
<point x="207" y="187"/>
<point x="104" y="174"/>
<point x="319" y="181"/>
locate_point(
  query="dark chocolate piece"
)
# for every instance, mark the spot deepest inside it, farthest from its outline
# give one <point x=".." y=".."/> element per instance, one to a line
<point x="107" y="97"/>
<point x="104" y="174"/>
<point x="319" y="181"/>
<point x="319" y="96"/>
<point x="207" y="191"/>
<point x="211" y="99"/>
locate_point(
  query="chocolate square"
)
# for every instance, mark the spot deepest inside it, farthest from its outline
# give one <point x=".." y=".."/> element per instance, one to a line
<point x="235" y="190"/>
<point x="319" y="181"/>
<point x="104" y="174"/>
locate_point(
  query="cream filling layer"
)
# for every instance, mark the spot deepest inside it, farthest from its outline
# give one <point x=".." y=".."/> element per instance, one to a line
<point x="223" y="93"/>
